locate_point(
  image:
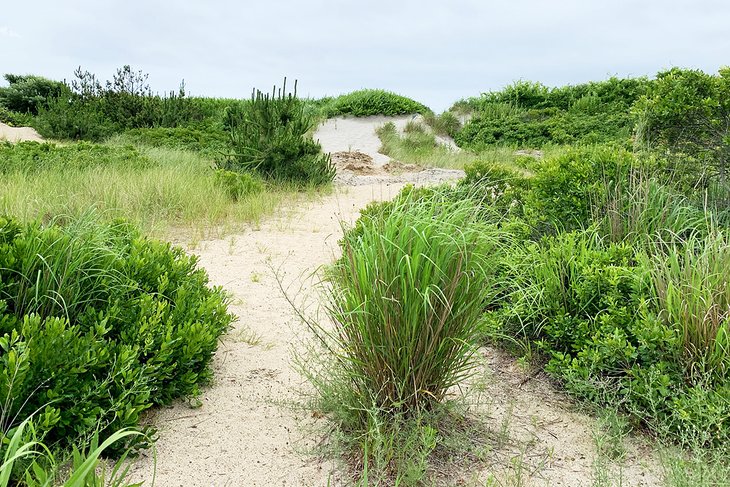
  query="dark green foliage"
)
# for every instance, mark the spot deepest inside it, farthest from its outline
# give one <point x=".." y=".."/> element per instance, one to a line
<point x="238" y="184"/>
<point x="565" y="189"/>
<point x="270" y="135"/>
<point x="28" y="94"/>
<point x="611" y="279"/>
<point x="364" y="103"/>
<point x="97" y="324"/>
<point x="90" y="110"/>
<point x="15" y="119"/>
<point x="686" y="114"/>
<point x="531" y="115"/>
<point x="31" y="157"/>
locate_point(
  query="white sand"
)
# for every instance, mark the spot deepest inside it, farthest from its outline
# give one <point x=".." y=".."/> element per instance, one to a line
<point x="243" y="435"/>
<point x="18" y="134"/>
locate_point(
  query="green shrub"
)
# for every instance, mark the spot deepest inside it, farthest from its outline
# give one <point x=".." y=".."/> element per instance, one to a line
<point x="238" y="184"/>
<point x="27" y="94"/>
<point x="271" y="136"/>
<point x="364" y="103"/>
<point x="15" y="119"/>
<point x="32" y="157"/>
<point x="686" y="116"/>
<point x="89" y="110"/>
<point x="567" y="188"/>
<point x="97" y="324"/>
<point x="531" y="115"/>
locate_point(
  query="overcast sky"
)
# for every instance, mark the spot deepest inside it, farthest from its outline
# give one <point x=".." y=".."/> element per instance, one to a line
<point x="433" y="51"/>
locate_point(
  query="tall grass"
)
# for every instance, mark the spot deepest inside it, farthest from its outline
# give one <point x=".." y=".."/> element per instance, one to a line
<point x="691" y="286"/>
<point x="177" y="189"/>
<point x="417" y="146"/>
<point x="39" y="467"/>
<point x="408" y="293"/>
<point x="405" y="302"/>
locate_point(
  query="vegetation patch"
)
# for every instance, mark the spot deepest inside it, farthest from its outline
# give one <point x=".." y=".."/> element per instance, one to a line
<point x="531" y="115"/>
<point x="98" y="324"/>
<point x="365" y="103"/>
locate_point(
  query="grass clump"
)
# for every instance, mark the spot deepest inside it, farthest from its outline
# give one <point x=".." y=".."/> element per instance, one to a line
<point x="405" y="301"/>
<point x="97" y="325"/>
<point x="365" y="103"/>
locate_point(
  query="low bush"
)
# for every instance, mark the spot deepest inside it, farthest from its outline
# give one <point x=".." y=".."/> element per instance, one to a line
<point x="531" y="115"/>
<point x="364" y="103"/>
<point x="97" y="325"/>
<point x="15" y="119"/>
<point x="566" y="189"/>
<point x="238" y="184"/>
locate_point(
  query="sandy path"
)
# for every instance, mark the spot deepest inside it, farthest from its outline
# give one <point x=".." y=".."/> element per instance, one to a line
<point x="242" y="435"/>
<point x="245" y="434"/>
<point x="348" y="134"/>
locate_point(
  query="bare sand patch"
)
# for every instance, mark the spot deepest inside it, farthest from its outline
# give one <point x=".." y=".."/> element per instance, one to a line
<point x="18" y="134"/>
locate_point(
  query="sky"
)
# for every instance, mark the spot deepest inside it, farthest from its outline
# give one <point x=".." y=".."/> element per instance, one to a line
<point x="433" y="51"/>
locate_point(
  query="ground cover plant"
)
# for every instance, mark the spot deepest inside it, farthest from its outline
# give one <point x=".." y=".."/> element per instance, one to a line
<point x="98" y="325"/>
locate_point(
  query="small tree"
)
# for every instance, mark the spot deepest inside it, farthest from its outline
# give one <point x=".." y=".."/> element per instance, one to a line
<point x="270" y="135"/>
<point x="687" y="114"/>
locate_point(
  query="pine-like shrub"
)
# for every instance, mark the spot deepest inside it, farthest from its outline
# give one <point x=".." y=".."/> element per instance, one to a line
<point x="270" y="135"/>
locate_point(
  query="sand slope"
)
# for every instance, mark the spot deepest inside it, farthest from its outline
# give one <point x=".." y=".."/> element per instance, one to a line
<point x="18" y="134"/>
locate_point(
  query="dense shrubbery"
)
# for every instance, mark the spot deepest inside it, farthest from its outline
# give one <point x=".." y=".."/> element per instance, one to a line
<point x="618" y="287"/>
<point x="610" y="277"/>
<point x="532" y="115"/>
<point x="28" y="94"/>
<point x="364" y="103"/>
<point x="89" y="110"/>
<point x="270" y="135"/>
<point x="97" y="324"/>
<point x="686" y="116"/>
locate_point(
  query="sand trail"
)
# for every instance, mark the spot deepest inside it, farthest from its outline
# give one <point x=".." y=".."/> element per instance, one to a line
<point x="243" y="434"/>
